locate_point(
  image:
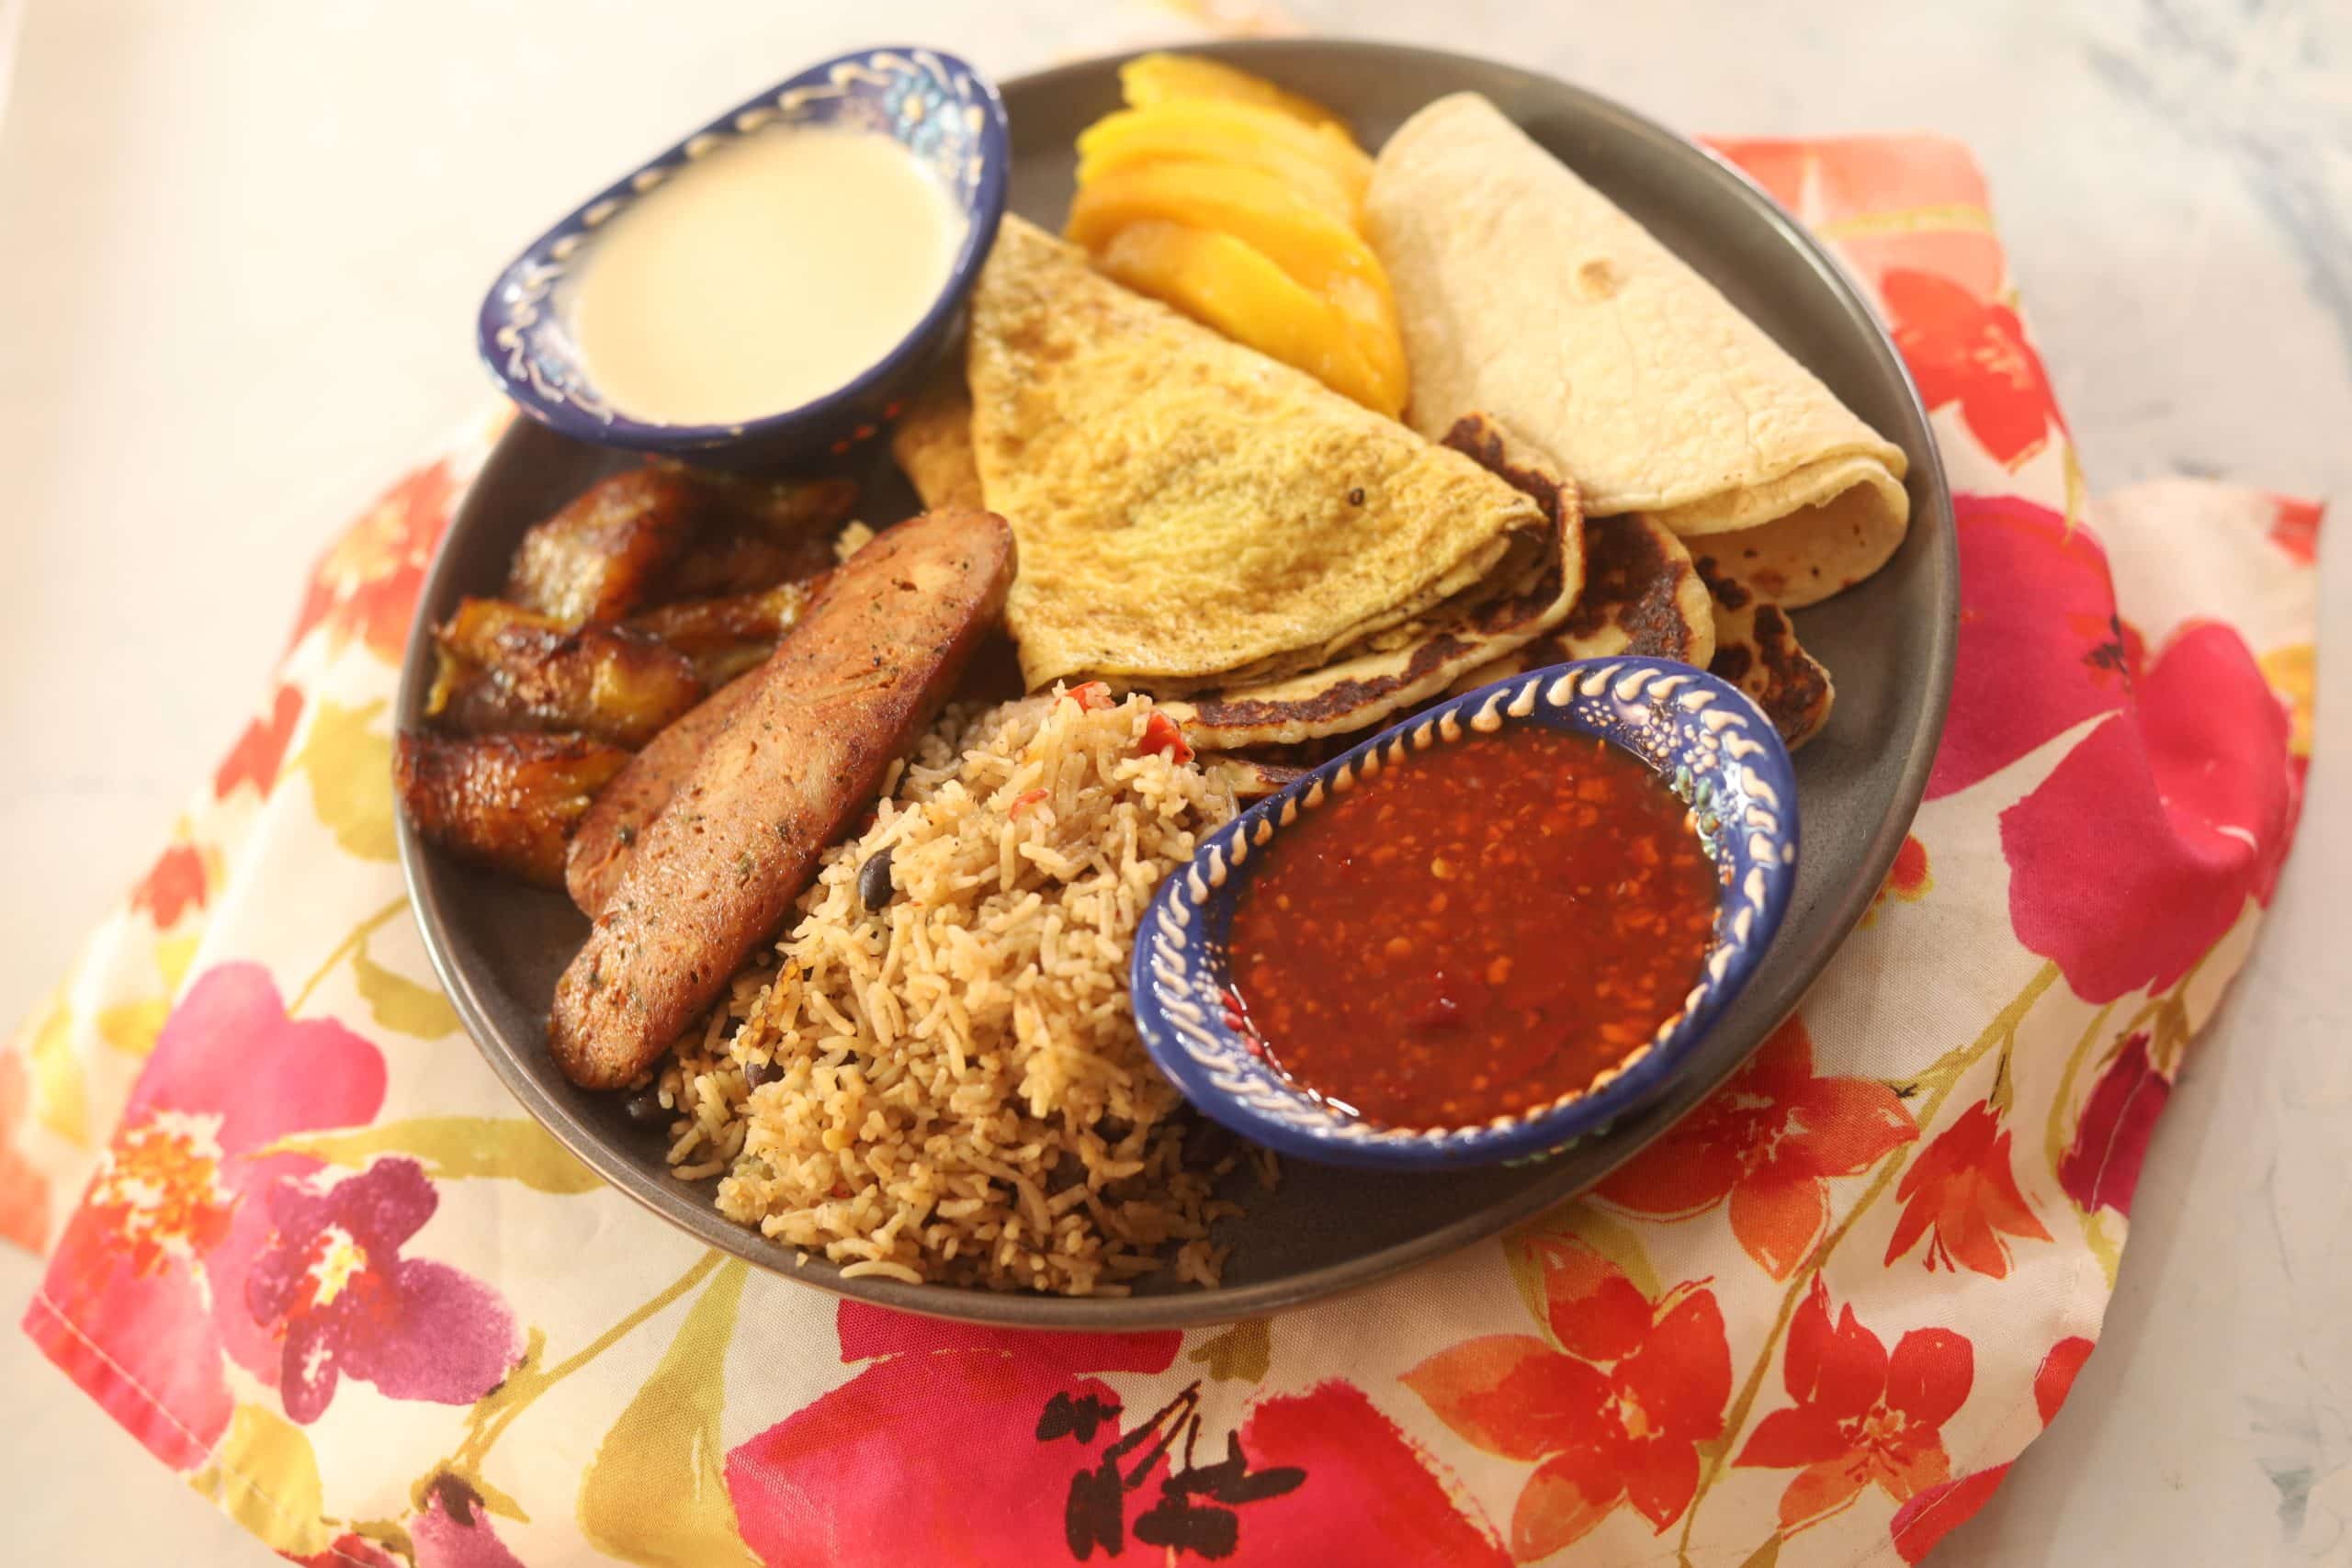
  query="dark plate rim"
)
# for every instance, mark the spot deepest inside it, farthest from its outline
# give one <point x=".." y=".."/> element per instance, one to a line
<point x="1784" y="980"/>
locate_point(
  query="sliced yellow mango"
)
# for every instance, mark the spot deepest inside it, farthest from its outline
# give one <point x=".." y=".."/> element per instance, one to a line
<point x="1151" y="79"/>
<point x="1319" y="252"/>
<point x="1301" y="238"/>
<point x="1322" y="163"/>
<point x="1223" y="283"/>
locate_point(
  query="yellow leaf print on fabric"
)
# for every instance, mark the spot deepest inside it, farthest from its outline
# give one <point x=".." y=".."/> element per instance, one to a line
<point x="174" y="955"/>
<point x="265" y="1476"/>
<point x="2293" y="674"/>
<point x="655" y="1494"/>
<point x="60" y="1103"/>
<point x="452" y="1148"/>
<point x="131" y="1027"/>
<point x="351" y="777"/>
<point x="1240" y="1354"/>
<point x="400" y="1003"/>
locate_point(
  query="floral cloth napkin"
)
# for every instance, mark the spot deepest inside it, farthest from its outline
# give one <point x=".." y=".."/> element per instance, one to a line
<point x="306" y="1251"/>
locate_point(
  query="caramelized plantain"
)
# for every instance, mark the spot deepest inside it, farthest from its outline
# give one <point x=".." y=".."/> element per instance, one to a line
<point x="507" y="802"/>
<point x="505" y="667"/>
<point x="758" y="533"/>
<point x="604" y="553"/>
<point x="724" y="637"/>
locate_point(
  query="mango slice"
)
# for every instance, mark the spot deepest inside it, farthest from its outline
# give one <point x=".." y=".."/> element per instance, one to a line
<point x="1320" y="164"/>
<point x="1223" y="283"/>
<point x="1151" y="79"/>
<point x="1318" y="251"/>
<point x="1302" y="239"/>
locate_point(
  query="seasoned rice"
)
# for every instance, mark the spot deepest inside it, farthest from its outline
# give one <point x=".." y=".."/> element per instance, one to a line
<point x="951" y="1088"/>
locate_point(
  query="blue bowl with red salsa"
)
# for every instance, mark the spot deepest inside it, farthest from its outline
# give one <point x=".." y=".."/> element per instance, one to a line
<point x="1486" y="932"/>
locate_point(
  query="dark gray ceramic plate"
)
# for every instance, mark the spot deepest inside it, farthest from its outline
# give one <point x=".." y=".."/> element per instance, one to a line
<point x="499" y="948"/>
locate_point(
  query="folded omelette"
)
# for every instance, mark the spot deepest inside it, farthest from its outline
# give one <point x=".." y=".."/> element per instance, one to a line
<point x="1198" y="520"/>
<point x="1527" y="295"/>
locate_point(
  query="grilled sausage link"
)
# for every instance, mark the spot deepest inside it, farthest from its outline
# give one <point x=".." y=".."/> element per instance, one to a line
<point x="781" y="777"/>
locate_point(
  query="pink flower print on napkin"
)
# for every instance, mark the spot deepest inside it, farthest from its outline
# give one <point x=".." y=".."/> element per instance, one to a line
<point x="931" y="1453"/>
<point x="454" y="1529"/>
<point x="334" y="1285"/>
<point x="145" y="1292"/>
<point x="2040" y="648"/>
<point x="2101" y="1166"/>
<point x="2144" y="844"/>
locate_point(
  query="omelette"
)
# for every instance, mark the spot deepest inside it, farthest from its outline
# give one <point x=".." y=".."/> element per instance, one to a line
<point x="1524" y="293"/>
<point x="1201" y="522"/>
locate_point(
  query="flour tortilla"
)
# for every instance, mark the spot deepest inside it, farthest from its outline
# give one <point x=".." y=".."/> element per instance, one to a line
<point x="1757" y="651"/>
<point x="1525" y="294"/>
<point x="1193" y="517"/>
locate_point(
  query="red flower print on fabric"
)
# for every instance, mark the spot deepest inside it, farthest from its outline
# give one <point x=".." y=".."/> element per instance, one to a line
<point x="929" y="1454"/>
<point x="1861" y="1418"/>
<point x="1610" y="1410"/>
<point x="352" y="1551"/>
<point x="2100" y="1168"/>
<point x="1965" y="349"/>
<point x="365" y="586"/>
<point x="173" y="886"/>
<point x="1926" y="1519"/>
<point x="145" y="1291"/>
<point x="332" y="1284"/>
<point x="1768" y="1142"/>
<point x="959" y="1446"/>
<point x="254" y="759"/>
<point x="1915" y="203"/>
<point x="1962" y="1194"/>
<point x="2295" y="528"/>
<point x="24" y="1190"/>
<point x="1368" y="1497"/>
<point x="2144" y="844"/>
<point x="1907" y="880"/>
<point x="2040" y="649"/>
<point x="2054" y="1378"/>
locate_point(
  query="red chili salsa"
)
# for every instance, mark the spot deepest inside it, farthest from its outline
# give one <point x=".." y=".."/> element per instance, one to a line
<point x="1477" y="930"/>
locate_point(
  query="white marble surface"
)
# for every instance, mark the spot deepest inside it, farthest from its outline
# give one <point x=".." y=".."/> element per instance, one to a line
<point x="241" y="242"/>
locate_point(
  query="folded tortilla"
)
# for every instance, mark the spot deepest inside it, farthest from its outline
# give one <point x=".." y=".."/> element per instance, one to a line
<point x="1525" y="294"/>
<point x="1391" y="669"/>
<point x="1757" y="651"/>
<point x="1194" y="518"/>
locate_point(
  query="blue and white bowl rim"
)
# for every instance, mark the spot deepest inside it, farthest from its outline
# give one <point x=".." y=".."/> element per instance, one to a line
<point x="1189" y="1038"/>
<point x="524" y="286"/>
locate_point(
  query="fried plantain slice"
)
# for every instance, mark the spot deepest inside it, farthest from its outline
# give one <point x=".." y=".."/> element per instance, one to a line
<point x="505" y="667"/>
<point x="506" y="802"/>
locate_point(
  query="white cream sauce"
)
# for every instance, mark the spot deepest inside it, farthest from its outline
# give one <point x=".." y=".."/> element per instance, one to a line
<point x="766" y="273"/>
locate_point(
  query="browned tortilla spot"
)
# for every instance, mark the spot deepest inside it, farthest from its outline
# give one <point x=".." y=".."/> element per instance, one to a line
<point x="1757" y="651"/>
<point x="1340" y="698"/>
<point x="1795" y="680"/>
<point x="1729" y="591"/>
<point x="1628" y="583"/>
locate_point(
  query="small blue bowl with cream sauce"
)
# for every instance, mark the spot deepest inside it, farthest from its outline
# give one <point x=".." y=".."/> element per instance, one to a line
<point x="775" y="284"/>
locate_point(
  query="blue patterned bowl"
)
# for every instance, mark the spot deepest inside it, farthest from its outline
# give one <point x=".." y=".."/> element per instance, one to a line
<point x="944" y="112"/>
<point x="1700" y="734"/>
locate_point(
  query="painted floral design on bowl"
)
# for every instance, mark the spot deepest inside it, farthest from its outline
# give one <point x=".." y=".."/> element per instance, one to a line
<point x="1699" y="734"/>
